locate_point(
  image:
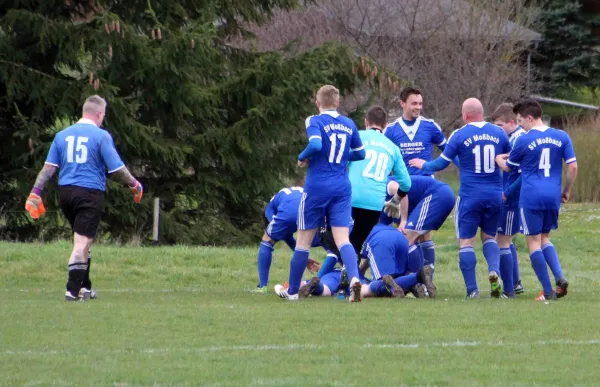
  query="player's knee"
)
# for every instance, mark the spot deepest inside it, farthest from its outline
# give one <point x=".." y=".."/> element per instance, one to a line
<point x="466" y="242"/>
<point x="268" y="239"/>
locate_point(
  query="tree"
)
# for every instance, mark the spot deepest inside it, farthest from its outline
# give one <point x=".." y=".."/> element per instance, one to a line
<point x="210" y="128"/>
<point x="568" y="55"/>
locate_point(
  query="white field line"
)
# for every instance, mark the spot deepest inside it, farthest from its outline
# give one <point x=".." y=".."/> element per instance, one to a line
<point x="294" y="347"/>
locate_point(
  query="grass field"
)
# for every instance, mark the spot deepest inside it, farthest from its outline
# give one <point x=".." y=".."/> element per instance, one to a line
<point x="183" y="316"/>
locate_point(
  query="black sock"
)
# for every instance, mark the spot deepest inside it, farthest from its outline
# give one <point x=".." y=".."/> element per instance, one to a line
<point x="76" y="276"/>
<point x="87" y="283"/>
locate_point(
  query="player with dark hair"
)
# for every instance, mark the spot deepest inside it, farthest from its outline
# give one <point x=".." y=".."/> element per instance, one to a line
<point x="83" y="152"/>
<point x="540" y="154"/>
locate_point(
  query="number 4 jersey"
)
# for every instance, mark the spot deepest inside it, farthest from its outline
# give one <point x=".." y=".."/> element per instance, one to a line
<point x="476" y="145"/>
<point x="84" y="153"/>
<point x="369" y="176"/>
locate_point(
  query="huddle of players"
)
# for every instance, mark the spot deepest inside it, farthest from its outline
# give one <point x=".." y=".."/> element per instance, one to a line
<point x="530" y="188"/>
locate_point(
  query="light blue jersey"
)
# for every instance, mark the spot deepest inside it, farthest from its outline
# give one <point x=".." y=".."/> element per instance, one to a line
<point x="369" y="176"/>
<point x="84" y="153"/>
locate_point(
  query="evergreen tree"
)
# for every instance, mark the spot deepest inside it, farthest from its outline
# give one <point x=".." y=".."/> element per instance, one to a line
<point x="210" y="128"/>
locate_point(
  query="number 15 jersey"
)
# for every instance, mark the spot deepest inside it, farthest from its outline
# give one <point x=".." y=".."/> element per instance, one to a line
<point x="83" y="152"/>
<point x="328" y="169"/>
<point x="476" y="145"/>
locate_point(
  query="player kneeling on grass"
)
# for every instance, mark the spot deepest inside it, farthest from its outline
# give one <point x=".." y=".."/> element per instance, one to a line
<point x="281" y="214"/>
<point x="539" y="154"/>
<point x="425" y="208"/>
<point x="83" y="152"/>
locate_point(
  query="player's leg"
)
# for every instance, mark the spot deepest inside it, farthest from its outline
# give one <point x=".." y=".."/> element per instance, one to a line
<point x="428" y="248"/>
<point x="532" y="221"/>
<point x="328" y="243"/>
<point x="490" y="217"/>
<point x="506" y="263"/>
<point x="516" y="272"/>
<point x="364" y="221"/>
<point x="265" y="257"/>
<point x="550" y="254"/>
<point x="466" y="223"/>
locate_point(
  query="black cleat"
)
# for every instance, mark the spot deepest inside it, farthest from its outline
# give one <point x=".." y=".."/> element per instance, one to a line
<point x="309" y="288"/>
<point x="419" y="291"/>
<point x="392" y="287"/>
<point x="519" y="288"/>
<point x="344" y="280"/>
<point x="427" y="277"/>
<point x="561" y="288"/>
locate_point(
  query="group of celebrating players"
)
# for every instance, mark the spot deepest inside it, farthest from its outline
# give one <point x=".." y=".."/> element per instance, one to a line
<point x="360" y="184"/>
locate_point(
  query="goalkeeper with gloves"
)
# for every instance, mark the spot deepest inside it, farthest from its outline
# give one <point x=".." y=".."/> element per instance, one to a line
<point x="83" y="152"/>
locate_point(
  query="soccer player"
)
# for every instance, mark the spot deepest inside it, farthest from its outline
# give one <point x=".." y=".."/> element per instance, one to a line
<point x="424" y="209"/>
<point x="539" y="154"/>
<point x="510" y="224"/>
<point x="333" y="141"/>
<point x="83" y="152"/>
<point x="281" y="215"/>
<point x="369" y="176"/>
<point x="479" y="203"/>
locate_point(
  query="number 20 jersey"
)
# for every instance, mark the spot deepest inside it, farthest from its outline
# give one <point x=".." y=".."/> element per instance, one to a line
<point x="476" y="145"/>
<point x="328" y="169"/>
<point x="84" y="153"/>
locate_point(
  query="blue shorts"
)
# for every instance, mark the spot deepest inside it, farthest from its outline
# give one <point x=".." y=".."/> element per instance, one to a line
<point x="332" y="280"/>
<point x="474" y="213"/>
<point x="314" y="208"/>
<point x="281" y="229"/>
<point x="381" y="251"/>
<point x="536" y="222"/>
<point x="510" y="221"/>
<point x="432" y="211"/>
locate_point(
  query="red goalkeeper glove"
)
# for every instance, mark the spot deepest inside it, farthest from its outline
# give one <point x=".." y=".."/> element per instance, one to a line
<point x="137" y="190"/>
<point x="34" y="204"/>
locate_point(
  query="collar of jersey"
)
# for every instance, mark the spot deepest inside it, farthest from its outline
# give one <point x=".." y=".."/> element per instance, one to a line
<point x="376" y="129"/>
<point x="332" y="113"/>
<point x="479" y="124"/>
<point x="86" y="121"/>
<point x="515" y="131"/>
<point x="540" y="128"/>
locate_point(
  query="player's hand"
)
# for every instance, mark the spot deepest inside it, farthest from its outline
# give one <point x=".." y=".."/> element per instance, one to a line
<point x="392" y="207"/>
<point x="35" y="206"/>
<point x="401" y="227"/>
<point x="137" y="190"/>
<point x="313" y="266"/>
<point x="565" y="196"/>
<point x="417" y="163"/>
<point x="303" y="163"/>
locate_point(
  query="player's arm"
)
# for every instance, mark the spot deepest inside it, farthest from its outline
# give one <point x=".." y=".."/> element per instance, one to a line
<point x="34" y="203"/>
<point x="514" y="188"/>
<point x="501" y="160"/>
<point x="357" y="149"/>
<point x="117" y="169"/>
<point x="397" y="206"/>
<point x="315" y="142"/>
<point x="400" y="172"/>
<point x="513" y="160"/>
<point x="448" y="155"/>
<point x="571" y="175"/>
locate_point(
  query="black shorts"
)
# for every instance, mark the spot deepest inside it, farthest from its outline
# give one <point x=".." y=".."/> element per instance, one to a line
<point x="83" y="208"/>
<point x="364" y="221"/>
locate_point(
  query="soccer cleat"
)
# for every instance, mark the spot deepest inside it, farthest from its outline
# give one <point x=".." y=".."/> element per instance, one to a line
<point x="519" y="288"/>
<point x="473" y="294"/>
<point x="84" y="294"/>
<point x="427" y="280"/>
<point x="260" y="290"/>
<point x="506" y="295"/>
<point x="283" y="293"/>
<point x="70" y="297"/>
<point x="93" y="295"/>
<point x="561" y="288"/>
<point x="419" y="291"/>
<point x="496" y="289"/>
<point x="355" y="288"/>
<point x="545" y="297"/>
<point x="309" y="288"/>
<point x="344" y="280"/>
<point x="392" y="287"/>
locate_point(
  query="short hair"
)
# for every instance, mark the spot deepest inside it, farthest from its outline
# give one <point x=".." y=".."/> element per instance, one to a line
<point x="505" y="113"/>
<point x="328" y="96"/>
<point x="376" y="115"/>
<point x="528" y="107"/>
<point x="94" y="104"/>
<point x="407" y="92"/>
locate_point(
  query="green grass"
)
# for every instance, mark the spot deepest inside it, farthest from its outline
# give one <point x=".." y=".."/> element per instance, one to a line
<point x="182" y="316"/>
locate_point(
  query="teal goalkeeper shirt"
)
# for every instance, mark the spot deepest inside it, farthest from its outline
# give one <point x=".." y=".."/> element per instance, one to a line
<point x="369" y="176"/>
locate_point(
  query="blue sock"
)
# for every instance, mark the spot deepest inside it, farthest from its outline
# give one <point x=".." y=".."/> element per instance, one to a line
<point x="415" y="259"/>
<point x="328" y="265"/>
<point x="265" y="256"/>
<point x="516" y="272"/>
<point x="541" y="270"/>
<point x="467" y="261"/>
<point x="491" y="252"/>
<point x="377" y="287"/>
<point x="350" y="260"/>
<point x="406" y="281"/>
<point x="318" y="290"/>
<point x="297" y="266"/>
<point x="552" y="260"/>
<point x="506" y="270"/>
<point x="428" y="252"/>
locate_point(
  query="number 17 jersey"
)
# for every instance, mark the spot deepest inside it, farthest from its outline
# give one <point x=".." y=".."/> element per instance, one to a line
<point x="328" y="169"/>
<point x="84" y="153"/>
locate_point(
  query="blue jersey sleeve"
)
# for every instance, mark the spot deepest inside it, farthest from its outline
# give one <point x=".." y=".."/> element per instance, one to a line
<point x="315" y="141"/>
<point x="568" y="151"/>
<point x="451" y="148"/>
<point x="514" y="189"/>
<point x="517" y="152"/>
<point x="53" y="155"/>
<point x="400" y="171"/>
<point x="110" y="157"/>
<point x="312" y="130"/>
<point x="271" y="209"/>
<point x="356" y="144"/>
<point x="438" y="137"/>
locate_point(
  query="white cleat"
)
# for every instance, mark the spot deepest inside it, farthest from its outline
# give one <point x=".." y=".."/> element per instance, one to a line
<point x="355" y="291"/>
<point x="283" y="293"/>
